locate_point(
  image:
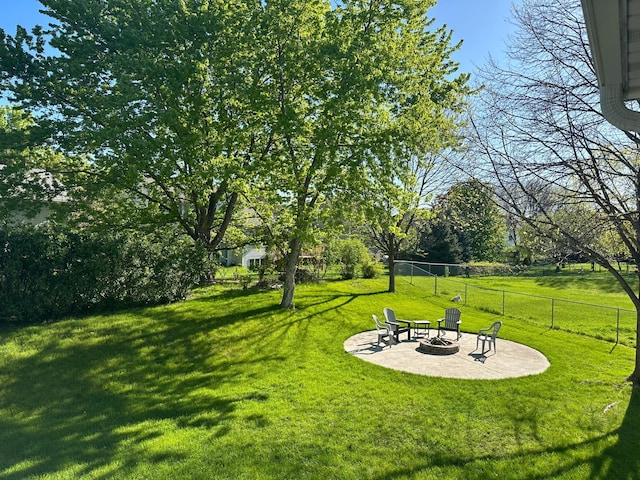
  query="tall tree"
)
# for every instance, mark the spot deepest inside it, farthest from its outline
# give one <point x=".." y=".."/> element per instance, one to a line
<point x="360" y="87"/>
<point x="163" y="99"/>
<point x="470" y="207"/>
<point x="541" y="124"/>
<point x="398" y="207"/>
<point x="438" y="243"/>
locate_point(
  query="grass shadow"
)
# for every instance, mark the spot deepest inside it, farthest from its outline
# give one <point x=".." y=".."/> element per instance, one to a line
<point x="589" y="280"/>
<point x="622" y="460"/>
<point x="96" y="385"/>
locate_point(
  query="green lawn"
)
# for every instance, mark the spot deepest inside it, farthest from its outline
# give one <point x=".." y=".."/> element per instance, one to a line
<point x="227" y="385"/>
<point x="589" y="303"/>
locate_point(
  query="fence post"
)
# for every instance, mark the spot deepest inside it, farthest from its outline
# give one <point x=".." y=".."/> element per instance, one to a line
<point x="552" y="310"/>
<point x="411" y="281"/>
<point x="618" y="327"/>
<point x="435" y="285"/>
<point x="466" y="294"/>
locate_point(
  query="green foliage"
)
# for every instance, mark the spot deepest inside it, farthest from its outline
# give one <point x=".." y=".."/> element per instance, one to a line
<point x="351" y="253"/>
<point x="167" y="112"/>
<point x="28" y="178"/>
<point x="47" y="272"/>
<point x="438" y="243"/>
<point x="184" y="109"/>
<point x="475" y="219"/>
<point x="371" y="268"/>
<point x="354" y="91"/>
<point x="353" y="257"/>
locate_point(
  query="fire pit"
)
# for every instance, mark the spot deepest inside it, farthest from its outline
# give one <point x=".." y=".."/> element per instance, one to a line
<point x="438" y="346"/>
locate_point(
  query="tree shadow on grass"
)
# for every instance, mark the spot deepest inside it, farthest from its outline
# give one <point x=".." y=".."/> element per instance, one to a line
<point x="81" y="392"/>
<point x="600" y="281"/>
<point x="500" y="465"/>
<point x="618" y="461"/>
<point x="622" y="460"/>
<point x="330" y="302"/>
<point x="93" y="389"/>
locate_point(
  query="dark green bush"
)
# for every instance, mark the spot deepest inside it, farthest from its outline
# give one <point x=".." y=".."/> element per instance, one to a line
<point x="46" y="273"/>
<point x="493" y="268"/>
<point x="351" y="253"/>
<point x="371" y="268"/>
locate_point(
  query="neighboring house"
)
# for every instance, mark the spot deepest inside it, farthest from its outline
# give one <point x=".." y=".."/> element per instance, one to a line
<point x="31" y="209"/>
<point x="42" y="216"/>
<point x="248" y="257"/>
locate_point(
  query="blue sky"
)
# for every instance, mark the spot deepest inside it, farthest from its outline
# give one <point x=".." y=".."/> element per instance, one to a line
<point x="482" y="24"/>
<point x="20" y="12"/>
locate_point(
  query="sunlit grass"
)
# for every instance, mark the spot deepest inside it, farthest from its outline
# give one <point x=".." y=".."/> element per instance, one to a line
<point x="587" y="303"/>
<point x="228" y="385"/>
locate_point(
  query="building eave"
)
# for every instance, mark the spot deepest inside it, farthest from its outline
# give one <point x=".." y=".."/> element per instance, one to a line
<point x="613" y="27"/>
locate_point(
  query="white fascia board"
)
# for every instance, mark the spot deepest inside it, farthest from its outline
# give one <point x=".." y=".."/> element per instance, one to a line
<point x="605" y="28"/>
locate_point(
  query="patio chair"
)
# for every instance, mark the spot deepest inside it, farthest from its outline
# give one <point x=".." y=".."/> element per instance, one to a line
<point x="489" y="335"/>
<point x="383" y="330"/>
<point x="451" y="321"/>
<point x="397" y="326"/>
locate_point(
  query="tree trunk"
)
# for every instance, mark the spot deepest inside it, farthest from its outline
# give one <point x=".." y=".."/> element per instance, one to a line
<point x="635" y="376"/>
<point x="290" y="273"/>
<point x="390" y="262"/>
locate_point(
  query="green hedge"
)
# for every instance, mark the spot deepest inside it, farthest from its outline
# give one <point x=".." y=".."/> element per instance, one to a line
<point x="46" y="273"/>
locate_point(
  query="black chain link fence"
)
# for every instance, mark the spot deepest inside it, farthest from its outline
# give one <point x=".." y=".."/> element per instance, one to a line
<point x="612" y="324"/>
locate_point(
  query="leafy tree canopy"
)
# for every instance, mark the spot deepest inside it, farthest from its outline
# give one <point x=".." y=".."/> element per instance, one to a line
<point x="29" y="173"/>
<point x="475" y="218"/>
<point x="162" y="99"/>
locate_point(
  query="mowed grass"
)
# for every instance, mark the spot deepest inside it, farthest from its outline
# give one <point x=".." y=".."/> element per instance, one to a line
<point x="577" y="301"/>
<point x="229" y="386"/>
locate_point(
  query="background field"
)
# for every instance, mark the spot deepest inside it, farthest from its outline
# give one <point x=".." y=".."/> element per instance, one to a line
<point x="229" y="386"/>
<point x="576" y="300"/>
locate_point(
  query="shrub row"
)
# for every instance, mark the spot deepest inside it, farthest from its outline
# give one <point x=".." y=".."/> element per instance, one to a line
<point x="493" y="268"/>
<point x="46" y="273"/>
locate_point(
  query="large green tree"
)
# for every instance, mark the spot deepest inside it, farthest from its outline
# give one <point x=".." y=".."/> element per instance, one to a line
<point x="361" y="87"/>
<point x="162" y="99"/>
<point x="437" y="242"/>
<point x="183" y="108"/>
<point x="475" y="218"/>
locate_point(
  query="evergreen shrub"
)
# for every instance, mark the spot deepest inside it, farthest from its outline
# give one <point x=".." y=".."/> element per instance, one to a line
<point x="46" y="272"/>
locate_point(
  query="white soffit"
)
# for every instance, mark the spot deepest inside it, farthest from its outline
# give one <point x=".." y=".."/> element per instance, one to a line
<point x="613" y="27"/>
<point x="632" y="43"/>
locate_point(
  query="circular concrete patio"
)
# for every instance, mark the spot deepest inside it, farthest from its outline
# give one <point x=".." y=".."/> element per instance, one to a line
<point x="511" y="359"/>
